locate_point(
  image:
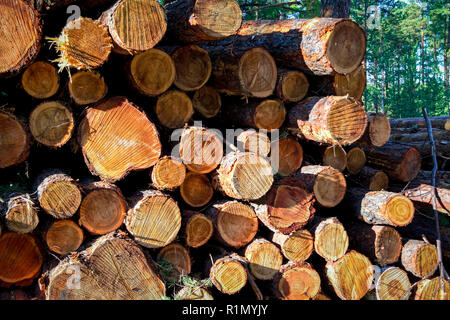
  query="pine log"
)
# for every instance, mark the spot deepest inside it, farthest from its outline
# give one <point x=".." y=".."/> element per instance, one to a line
<point x="393" y="284"/>
<point x="356" y="160"/>
<point x="196" y="293"/>
<point x="296" y="281"/>
<point x="87" y="87"/>
<point x="327" y="184"/>
<point x="381" y="244"/>
<point x="372" y="179"/>
<point x="420" y="136"/>
<point x="21" y="214"/>
<point x="178" y="256"/>
<point x="19" y="21"/>
<point x="103" y="208"/>
<point x="351" y="276"/>
<point x="52" y="123"/>
<point x="436" y="122"/>
<point x="330" y="239"/>
<point x="266" y="114"/>
<point x="244" y="176"/>
<point x="431" y="289"/>
<point x="420" y="258"/>
<point x="168" y="173"/>
<point x="264" y="259"/>
<point x="381" y="207"/>
<point x="335" y="156"/>
<point x="201" y="149"/>
<point x="197" y="228"/>
<point x="193" y="67"/>
<point x="207" y="101"/>
<point x="64" y="236"/>
<point x="113" y="268"/>
<point x="196" y="189"/>
<point x="151" y="72"/>
<point x="422" y="195"/>
<point x="424" y="149"/>
<point x="235" y="223"/>
<point x="292" y="85"/>
<point x="154" y="219"/>
<point x="250" y="72"/>
<point x="228" y="273"/>
<point x="14" y="140"/>
<point x="83" y="44"/>
<point x="288" y="154"/>
<point x="200" y="20"/>
<point x="352" y="84"/>
<point x="296" y="246"/>
<point x="174" y="109"/>
<point x="378" y="130"/>
<point x="254" y="141"/>
<point x="289" y="206"/>
<point x="134" y="138"/>
<point x="398" y="161"/>
<point x="135" y="25"/>
<point x="21" y="258"/>
<point x="40" y="80"/>
<point x="59" y="195"/>
<point x="322" y="46"/>
<point x="330" y="120"/>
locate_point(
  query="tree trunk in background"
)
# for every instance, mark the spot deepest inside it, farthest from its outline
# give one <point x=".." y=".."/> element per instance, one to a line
<point x="335" y="9"/>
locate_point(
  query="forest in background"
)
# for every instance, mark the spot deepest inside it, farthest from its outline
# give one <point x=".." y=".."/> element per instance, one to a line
<point x="408" y="52"/>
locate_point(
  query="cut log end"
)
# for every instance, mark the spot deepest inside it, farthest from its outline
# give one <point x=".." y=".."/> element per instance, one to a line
<point x="197" y="293"/>
<point x="379" y="129"/>
<point x="83" y="44"/>
<point x="393" y="284"/>
<point x="356" y="160"/>
<point x="180" y="259"/>
<point x="103" y="209"/>
<point x="351" y="276"/>
<point x="136" y="140"/>
<point x="40" y="80"/>
<point x="21" y="215"/>
<point x="431" y="289"/>
<point x="257" y="73"/>
<point x="198" y="230"/>
<point x="196" y="190"/>
<point x="292" y="86"/>
<point x="64" y="236"/>
<point x="297" y="246"/>
<point x="378" y="181"/>
<point x="420" y="258"/>
<point x="255" y="142"/>
<point x="288" y="153"/>
<point x="264" y="259"/>
<point x="207" y="102"/>
<point x="269" y="115"/>
<point x="346" y="47"/>
<point x="168" y="173"/>
<point x="20" y="21"/>
<point x="87" y="87"/>
<point x="152" y="72"/>
<point x="336" y="157"/>
<point x="297" y="281"/>
<point x="388" y="245"/>
<point x="14" y="141"/>
<point x="21" y="259"/>
<point x="52" y="123"/>
<point x="411" y="164"/>
<point x="228" y="275"/>
<point x="330" y="239"/>
<point x="353" y="83"/>
<point x="193" y="67"/>
<point x="400" y="210"/>
<point x="174" y="109"/>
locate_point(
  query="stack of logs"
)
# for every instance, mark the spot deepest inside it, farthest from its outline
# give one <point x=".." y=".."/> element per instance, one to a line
<point x="299" y="204"/>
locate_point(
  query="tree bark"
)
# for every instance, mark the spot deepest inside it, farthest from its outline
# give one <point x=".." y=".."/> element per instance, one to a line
<point x="335" y="8"/>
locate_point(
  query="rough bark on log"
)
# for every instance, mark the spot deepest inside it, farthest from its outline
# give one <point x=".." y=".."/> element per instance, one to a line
<point x="327" y="184"/>
<point x="196" y="189"/>
<point x="393" y="284"/>
<point x="422" y="195"/>
<point x="135" y="30"/>
<point x="420" y="258"/>
<point x="228" y="273"/>
<point x="400" y="162"/>
<point x="235" y="223"/>
<point x="168" y="173"/>
<point x="64" y="236"/>
<point x="381" y="207"/>
<point x="103" y="208"/>
<point x="330" y="120"/>
<point x="20" y="214"/>
<point x="111" y="257"/>
<point x="292" y="85"/>
<point x="179" y="257"/>
<point x="430" y="289"/>
<point x="296" y="246"/>
<point x="351" y="276"/>
<point x="87" y="87"/>
<point x="335" y="8"/>
<point x="330" y="239"/>
<point x="264" y="259"/>
<point x="154" y="219"/>
<point x="245" y="176"/>
<point x="14" y="140"/>
<point x="197" y="228"/>
<point x="288" y="154"/>
<point x="321" y="46"/>
<point x="436" y="122"/>
<point x="372" y="179"/>
<point x="254" y="141"/>
<point x="200" y="20"/>
<point x="174" y="109"/>
<point x="135" y="139"/>
<point x="21" y="22"/>
<point x="356" y="160"/>
<point x="296" y="281"/>
<point x="40" y="80"/>
<point x="207" y="101"/>
<point x="420" y="136"/>
<point x="52" y="123"/>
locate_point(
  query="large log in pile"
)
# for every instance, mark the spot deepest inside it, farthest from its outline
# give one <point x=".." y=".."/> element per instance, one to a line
<point x="237" y="155"/>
